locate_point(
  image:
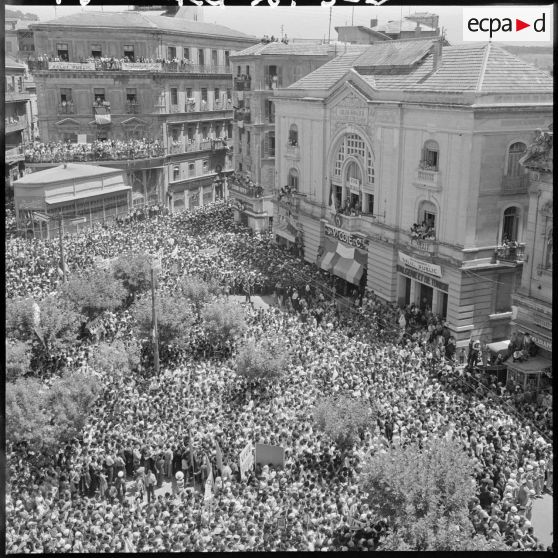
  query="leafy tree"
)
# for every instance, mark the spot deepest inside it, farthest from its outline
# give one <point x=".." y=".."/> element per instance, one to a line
<point x="116" y="358"/>
<point x="424" y="494"/>
<point x="20" y="318"/>
<point x="134" y="270"/>
<point x="343" y="419"/>
<point x="223" y="321"/>
<point x="266" y="360"/>
<point x="93" y="292"/>
<point x="198" y="291"/>
<point x="58" y="322"/>
<point x="174" y="319"/>
<point x="18" y="359"/>
<point x="27" y="413"/>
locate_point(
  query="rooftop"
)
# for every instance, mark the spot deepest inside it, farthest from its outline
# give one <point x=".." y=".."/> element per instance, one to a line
<point x="401" y="25"/>
<point x="72" y="171"/>
<point x="139" y="20"/>
<point x="11" y="63"/>
<point x="279" y="48"/>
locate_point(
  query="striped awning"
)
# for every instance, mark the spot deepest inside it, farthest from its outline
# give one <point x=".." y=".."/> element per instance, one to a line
<point x="344" y="261"/>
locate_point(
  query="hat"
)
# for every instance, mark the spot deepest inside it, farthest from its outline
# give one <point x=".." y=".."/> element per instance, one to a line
<point x="120" y="474"/>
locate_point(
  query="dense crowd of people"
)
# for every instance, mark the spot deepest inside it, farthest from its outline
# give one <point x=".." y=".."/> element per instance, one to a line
<point x="100" y="493"/>
<point x="58" y="151"/>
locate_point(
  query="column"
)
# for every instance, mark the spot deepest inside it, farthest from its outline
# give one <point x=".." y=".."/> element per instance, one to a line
<point x="436" y="302"/>
<point x="414" y="292"/>
<point x="213" y="192"/>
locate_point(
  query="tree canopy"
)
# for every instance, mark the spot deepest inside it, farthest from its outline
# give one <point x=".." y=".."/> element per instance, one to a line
<point x="344" y="419"/>
<point x="266" y="360"/>
<point x="18" y="359"/>
<point x="134" y="270"/>
<point x="223" y="321"/>
<point x="198" y="290"/>
<point x="117" y="358"/>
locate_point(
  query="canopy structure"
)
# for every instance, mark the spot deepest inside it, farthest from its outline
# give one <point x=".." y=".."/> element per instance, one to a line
<point x="533" y="373"/>
<point x="498" y="346"/>
<point x="344" y="261"/>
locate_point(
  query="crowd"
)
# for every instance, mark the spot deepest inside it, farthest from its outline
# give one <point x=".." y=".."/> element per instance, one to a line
<point x="57" y="151"/>
<point x="99" y="493"/>
<point x="423" y="231"/>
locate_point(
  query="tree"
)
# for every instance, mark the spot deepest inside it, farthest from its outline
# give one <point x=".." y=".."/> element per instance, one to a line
<point x="343" y="419"/>
<point x="266" y="360"/>
<point x="93" y="292"/>
<point x="116" y="358"/>
<point x="424" y="494"/>
<point x="174" y="319"/>
<point x="197" y="290"/>
<point x="58" y="322"/>
<point x="223" y="321"/>
<point x="20" y="318"/>
<point x="134" y="270"/>
<point x="18" y="359"/>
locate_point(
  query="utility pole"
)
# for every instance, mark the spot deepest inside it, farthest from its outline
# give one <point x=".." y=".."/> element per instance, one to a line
<point x="281" y="32"/>
<point x="154" y="320"/>
<point x="329" y="30"/>
<point x="60" y="236"/>
<point x="353" y="17"/>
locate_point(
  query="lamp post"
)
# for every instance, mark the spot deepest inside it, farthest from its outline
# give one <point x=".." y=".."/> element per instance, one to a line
<point x="155" y="266"/>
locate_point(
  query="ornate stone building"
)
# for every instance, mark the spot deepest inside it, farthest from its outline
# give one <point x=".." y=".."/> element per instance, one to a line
<point x="408" y="171"/>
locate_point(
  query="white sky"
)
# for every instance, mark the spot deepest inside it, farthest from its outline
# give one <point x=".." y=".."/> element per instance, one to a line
<point x="298" y="22"/>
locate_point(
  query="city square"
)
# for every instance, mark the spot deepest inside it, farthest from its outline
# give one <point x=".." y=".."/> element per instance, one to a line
<point x="270" y="294"/>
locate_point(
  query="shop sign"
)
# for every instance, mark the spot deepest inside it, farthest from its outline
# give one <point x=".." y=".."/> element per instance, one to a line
<point x="419" y="265"/>
<point x="422" y="278"/>
<point x="347" y="237"/>
<point x="547" y="324"/>
<point x="354" y="183"/>
<point x="71" y="65"/>
<point x="541" y="342"/>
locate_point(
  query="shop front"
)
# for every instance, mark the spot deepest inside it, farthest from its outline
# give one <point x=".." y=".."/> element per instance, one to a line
<point x="533" y="374"/>
<point x="421" y="283"/>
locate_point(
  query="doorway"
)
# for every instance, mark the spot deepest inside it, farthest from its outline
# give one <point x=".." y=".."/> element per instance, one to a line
<point x="426" y="295"/>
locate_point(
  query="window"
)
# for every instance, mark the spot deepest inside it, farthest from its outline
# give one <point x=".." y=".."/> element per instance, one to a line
<point x="129" y="52"/>
<point x="186" y="53"/>
<point x="216" y="93"/>
<point x="511" y="224"/>
<point x="201" y="57"/>
<point x="65" y="95"/>
<point x="354" y="145"/>
<point x="190" y="133"/>
<point x="292" y="180"/>
<point x="204" y="132"/>
<point x="62" y="51"/>
<point x="171" y="53"/>
<point x="227" y="58"/>
<point x="189" y="92"/>
<point x="247" y="70"/>
<point x="269" y="144"/>
<point x="131" y="95"/>
<point x="205" y="167"/>
<point x="69" y="136"/>
<point x="204" y="94"/>
<point x="515" y="152"/>
<point x="429" y="160"/>
<point x="230" y="130"/>
<point x="174" y="96"/>
<point x="368" y="204"/>
<point x="191" y="169"/>
<point x="248" y="143"/>
<point x="548" y="253"/>
<point x="229" y="97"/>
<point x="293" y="135"/>
<point x="176" y="173"/>
<point x="238" y="70"/>
<point x="427" y="215"/>
<point x="99" y="94"/>
<point x="96" y="51"/>
<point x="214" y="57"/>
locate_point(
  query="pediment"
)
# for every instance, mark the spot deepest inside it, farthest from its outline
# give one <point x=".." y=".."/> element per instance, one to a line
<point x="67" y="122"/>
<point x="353" y="90"/>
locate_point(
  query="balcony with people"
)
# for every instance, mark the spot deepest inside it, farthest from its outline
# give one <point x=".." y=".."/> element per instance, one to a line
<point x="241" y="184"/>
<point x="243" y="82"/>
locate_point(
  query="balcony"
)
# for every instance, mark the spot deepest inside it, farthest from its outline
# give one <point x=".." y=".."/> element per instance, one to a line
<point x="242" y="83"/>
<point x="14" y="154"/>
<point x="202" y="145"/>
<point x="132" y="107"/>
<point x="15" y="124"/>
<point x="292" y="151"/>
<point x="511" y="253"/>
<point x="66" y="107"/>
<point x="14" y="96"/>
<point x="174" y="109"/>
<point x="429" y="246"/>
<point x="428" y="178"/>
<point x="247" y="117"/>
<point x="515" y="184"/>
<point x="102" y="107"/>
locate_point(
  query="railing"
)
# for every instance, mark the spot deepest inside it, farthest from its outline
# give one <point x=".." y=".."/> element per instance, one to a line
<point x="104" y="105"/>
<point x="20" y="124"/>
<point x="515" y="184"/>
<point x="509" y="253"/>
<point x="248" y="191"/>
<point x="293" y="151"/>
<point x="247" y="116"/>
<point x="269" y="82"/>
<point x="14" y="153"/>
<point x="17" y="96"/>
<point x="85" y="156"/>
<point x="132" y="107"/>
<point x="242" y="84"/>
<point x="429" y="245"/>
<point x="66" y="108"/>
<point x="428" y="177"/>
<point x="202" y="145"/>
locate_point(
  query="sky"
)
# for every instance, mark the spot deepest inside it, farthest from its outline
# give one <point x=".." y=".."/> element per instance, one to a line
<point x="298" y="22"/>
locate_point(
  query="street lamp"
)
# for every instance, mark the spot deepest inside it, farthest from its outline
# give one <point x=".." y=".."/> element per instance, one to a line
<point x="155" y="266"/>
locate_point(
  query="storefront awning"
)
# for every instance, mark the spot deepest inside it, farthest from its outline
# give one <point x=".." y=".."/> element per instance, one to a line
<point x="326" y="261"/>
<point x="531" y="365"/>
<point x="498" y="346"/>
<point x="285" y="234"/>
<point x="350" y="270"/>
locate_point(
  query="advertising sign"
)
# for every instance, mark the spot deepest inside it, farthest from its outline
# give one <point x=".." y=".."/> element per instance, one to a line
<point x="419" y="265"/>
<point x="270" y="455"/>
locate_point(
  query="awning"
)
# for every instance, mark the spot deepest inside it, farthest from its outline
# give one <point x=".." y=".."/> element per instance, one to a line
<point x="285" y="234"/>
<point x="326" y="261"/>
<point x="347" y="269"/>
<point x="498" y="346"/>
<point x="137" y="196"/>
<point x="71" y="196"/>
<point x="530" y="366"/>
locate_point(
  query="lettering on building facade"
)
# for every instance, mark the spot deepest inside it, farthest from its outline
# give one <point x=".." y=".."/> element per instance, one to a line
<point x="419" y="265"/>
<point x="422" y="278"/>
<point x="346" y="237"/>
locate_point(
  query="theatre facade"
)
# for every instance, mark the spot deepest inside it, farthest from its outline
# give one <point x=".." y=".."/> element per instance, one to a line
<point x="409" y="175"/>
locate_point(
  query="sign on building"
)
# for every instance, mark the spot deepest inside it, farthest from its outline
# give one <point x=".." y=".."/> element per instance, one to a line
<point x="419" y="265"/>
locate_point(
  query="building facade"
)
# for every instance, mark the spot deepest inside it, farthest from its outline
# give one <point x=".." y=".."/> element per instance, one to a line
<point x="409" y="180"/>
<point x="533" y="298"/>
<point x="18" y="120"/>
<point x="132" y="75"/>
<point x="258" y="72"/>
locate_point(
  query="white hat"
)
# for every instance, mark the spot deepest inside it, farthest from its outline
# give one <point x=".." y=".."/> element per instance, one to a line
<point x="120" y="474"/>
<point x="179" y="475"/>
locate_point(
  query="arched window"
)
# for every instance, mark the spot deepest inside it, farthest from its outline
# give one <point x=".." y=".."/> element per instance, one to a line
<point x="430" y="156"/>
<point x="427" y="215"/>
<point x="293" y="179"/>
<point x="548" y="254"/>
<point x="510" y="225"/>
<point x="176" y="173"/>
<point x="354" y="145"/>
<point x="515" y="152"/>
<point x="293" y="135"/>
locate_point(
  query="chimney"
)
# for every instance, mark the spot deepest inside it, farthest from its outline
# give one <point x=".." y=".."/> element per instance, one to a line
<point x="436" y="54"/>
<point x="374" y="22"/>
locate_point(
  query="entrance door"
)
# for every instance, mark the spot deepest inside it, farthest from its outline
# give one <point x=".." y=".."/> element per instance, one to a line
<point x="426" y="294"/>
<point x="444" y="309"/>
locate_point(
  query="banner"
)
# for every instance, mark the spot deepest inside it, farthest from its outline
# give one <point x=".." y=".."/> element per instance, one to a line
<point x="246" y="460"/>
<point x="149" y="66"/>
<point x="219" y="457"/>
<point x="419" y="265"/>
<point x="71" y="65"/>
<point x="102" y="119"/>
<point x="270" y="455"/>
<point x="208" y="494"/>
